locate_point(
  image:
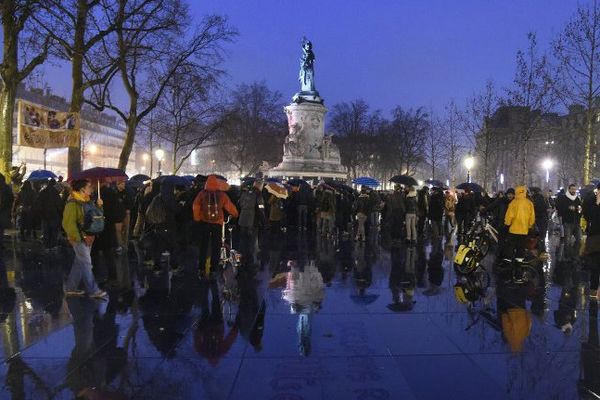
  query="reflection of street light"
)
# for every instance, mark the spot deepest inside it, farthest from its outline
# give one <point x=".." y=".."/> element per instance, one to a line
<point x="160" y="155"/>
<point x="469" y="163"/>
<point x="547" y="164"/>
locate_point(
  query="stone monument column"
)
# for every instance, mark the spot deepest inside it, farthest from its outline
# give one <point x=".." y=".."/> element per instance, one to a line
<point x="307" y="152"/>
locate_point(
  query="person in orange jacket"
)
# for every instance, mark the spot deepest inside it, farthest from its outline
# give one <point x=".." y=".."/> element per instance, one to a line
<point x="519" y="218"/>
<point x="209" y="209"/>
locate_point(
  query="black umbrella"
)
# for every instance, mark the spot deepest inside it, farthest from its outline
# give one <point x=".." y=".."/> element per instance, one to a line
<point x="470" y="186"/>
<point x="436" y="183"/>
<point x="404" y="180"/>
<point x="297" y="182"/>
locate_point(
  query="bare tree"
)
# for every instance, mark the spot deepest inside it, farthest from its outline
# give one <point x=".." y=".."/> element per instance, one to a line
<point x="253" y="128"/>
<point x="24" y="50"/>
<point x="577" y="49"/>
<point x="79" y="27"/>
<point x="452" y="139"/>
<point x="434" y="148"/>
<point x="187" y="115"/>
<point x="532" y="90"/>
<point x="474" y="122"/>
<point x="153" y="45"/>
<point x="408" y="136"/>
<point x="349" y="122"/>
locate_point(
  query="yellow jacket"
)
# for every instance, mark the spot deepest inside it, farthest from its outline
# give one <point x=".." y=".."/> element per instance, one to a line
<point x="520" y="215"/>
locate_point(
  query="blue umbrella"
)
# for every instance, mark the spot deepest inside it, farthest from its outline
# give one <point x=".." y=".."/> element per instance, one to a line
<point x="174" y="180"/>
<point x="366" y="181"/>
<point x="41" y="175"/>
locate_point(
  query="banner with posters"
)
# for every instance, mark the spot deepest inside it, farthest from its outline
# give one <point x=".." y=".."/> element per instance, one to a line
<point x="43" y="128"/>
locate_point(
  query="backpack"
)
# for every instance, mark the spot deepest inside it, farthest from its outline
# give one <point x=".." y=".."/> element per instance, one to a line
<point x="93" y="219"/>
<point x="211" y="208"/>
<point x="156" y="213"/>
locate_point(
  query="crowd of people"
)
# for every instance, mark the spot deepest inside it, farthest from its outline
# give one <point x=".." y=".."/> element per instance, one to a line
<point x="164" y="216"/>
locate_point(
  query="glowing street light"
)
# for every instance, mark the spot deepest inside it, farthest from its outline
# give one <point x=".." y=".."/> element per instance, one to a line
<point x="145" y="157"/>
<point x="469" y="163"/>
<point x="547" y="164"/>
<point x="160" y="155"/>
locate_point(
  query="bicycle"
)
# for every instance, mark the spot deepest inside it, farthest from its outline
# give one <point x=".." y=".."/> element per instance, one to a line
<point x="230" y="261"/>
<point x="481" y="235"/>
<point x="521" y="271"/>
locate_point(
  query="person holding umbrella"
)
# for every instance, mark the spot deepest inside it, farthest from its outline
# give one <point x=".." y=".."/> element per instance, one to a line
<point x="77" y="226"/>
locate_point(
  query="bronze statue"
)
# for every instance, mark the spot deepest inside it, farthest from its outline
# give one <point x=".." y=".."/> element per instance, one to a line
<point x="307" y="70"/>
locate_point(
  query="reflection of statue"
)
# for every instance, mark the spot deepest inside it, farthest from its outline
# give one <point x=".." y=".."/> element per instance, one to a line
<point x="305" y="291"/>
<point x="307" y="71"/>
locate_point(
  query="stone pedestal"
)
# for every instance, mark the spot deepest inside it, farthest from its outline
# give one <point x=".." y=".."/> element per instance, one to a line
<point x="308" y="153"/>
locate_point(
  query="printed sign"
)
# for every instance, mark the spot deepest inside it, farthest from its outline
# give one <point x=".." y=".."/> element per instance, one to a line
<point x="43" y="128"/>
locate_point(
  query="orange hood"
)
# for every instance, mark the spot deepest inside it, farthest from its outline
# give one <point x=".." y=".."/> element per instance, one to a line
<point x="214" y="184"/>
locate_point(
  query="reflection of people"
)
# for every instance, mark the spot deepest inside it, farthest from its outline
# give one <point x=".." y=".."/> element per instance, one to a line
<point x="402" y="279"/>
<point x="210" y="340"/>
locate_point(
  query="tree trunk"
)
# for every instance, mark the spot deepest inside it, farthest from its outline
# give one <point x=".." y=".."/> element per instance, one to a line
<point x="129" y="139"/>
<point x="74" y="156"/>
<point x="587" y="153"/>
<point x="8" y="95"/>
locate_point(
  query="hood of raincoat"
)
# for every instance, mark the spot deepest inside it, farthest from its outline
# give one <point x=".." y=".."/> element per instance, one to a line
<point x="520" y="192"/>
<point x="212" y="184"/>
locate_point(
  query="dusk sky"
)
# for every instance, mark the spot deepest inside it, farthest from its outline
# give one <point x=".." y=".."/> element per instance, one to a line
<point x="387" y="52"/>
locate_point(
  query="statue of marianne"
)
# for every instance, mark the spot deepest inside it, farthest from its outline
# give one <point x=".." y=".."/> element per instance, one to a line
<point x="307" y="70"/>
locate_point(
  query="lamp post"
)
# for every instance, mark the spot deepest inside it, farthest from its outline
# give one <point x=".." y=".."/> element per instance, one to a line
<point x="469" y="163"/>
<point x="547" y="164"/>
<point x="160" y="155"/>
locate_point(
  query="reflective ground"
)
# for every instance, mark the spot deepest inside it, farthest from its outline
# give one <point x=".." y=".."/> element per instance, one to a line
<point x="315" y="320"/>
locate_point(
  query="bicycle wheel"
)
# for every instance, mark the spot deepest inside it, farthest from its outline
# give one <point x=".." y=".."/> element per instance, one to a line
<point x="484" y="246"/>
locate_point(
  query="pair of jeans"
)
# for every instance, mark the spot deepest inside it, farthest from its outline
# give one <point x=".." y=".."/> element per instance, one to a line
<point x="572" y="229"/>
<point x="81" y="270"/>
<point x="122" y="229"/>
<point x="327" y="220"/>
<point x="411" y="226"/>
<point x="436" y="229"/>
<point x="362" y="219"/>
<point x="302" y="211"/>
<point x="50" y="231"/>
<point x="209" y="234"/>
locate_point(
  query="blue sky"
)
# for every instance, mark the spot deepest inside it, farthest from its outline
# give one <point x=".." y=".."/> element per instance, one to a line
<point x="388" y="52"/>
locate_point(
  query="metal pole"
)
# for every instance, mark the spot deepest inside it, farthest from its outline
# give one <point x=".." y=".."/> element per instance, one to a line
<point x="45" y="150"/>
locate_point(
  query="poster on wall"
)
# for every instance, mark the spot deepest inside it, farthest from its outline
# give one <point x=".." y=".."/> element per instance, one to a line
<point x="44" y="128"/>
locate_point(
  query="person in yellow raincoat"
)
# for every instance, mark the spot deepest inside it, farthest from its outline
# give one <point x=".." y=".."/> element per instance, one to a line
<point x="519" y="218"/>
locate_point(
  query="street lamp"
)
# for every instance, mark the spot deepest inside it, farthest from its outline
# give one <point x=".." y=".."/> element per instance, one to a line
<point x="160" y="155"/>
<point x="547" y="164"/>
<point x="469" y="163"/>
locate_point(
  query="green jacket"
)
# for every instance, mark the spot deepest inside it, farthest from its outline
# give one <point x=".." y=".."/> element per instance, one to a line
<point x="73" y="220"/>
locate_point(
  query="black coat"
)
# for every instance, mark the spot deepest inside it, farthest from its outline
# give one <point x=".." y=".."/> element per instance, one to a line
<point x="591" y="212"/>
<point x="49" y="204"/>
<point x="6" y="205"/>
<point x="540" y="206"/>
<point x="436" y="206"/>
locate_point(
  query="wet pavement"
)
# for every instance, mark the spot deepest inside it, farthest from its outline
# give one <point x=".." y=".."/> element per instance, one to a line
<point x="315" y="319"/>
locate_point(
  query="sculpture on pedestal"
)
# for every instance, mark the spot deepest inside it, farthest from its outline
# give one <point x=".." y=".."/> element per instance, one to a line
<point x="308" y="91"/>
<point x="307" y="70"/>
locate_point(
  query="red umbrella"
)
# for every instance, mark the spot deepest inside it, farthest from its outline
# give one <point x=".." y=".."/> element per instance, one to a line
<point x="101" y="174"/>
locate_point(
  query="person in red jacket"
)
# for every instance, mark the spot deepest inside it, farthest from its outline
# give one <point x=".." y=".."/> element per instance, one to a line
<point x="209" y="212"/>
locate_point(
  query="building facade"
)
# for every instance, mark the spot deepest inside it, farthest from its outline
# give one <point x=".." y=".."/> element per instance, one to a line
<point x="554" y="148"/>
<point x="102" y="137"/>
